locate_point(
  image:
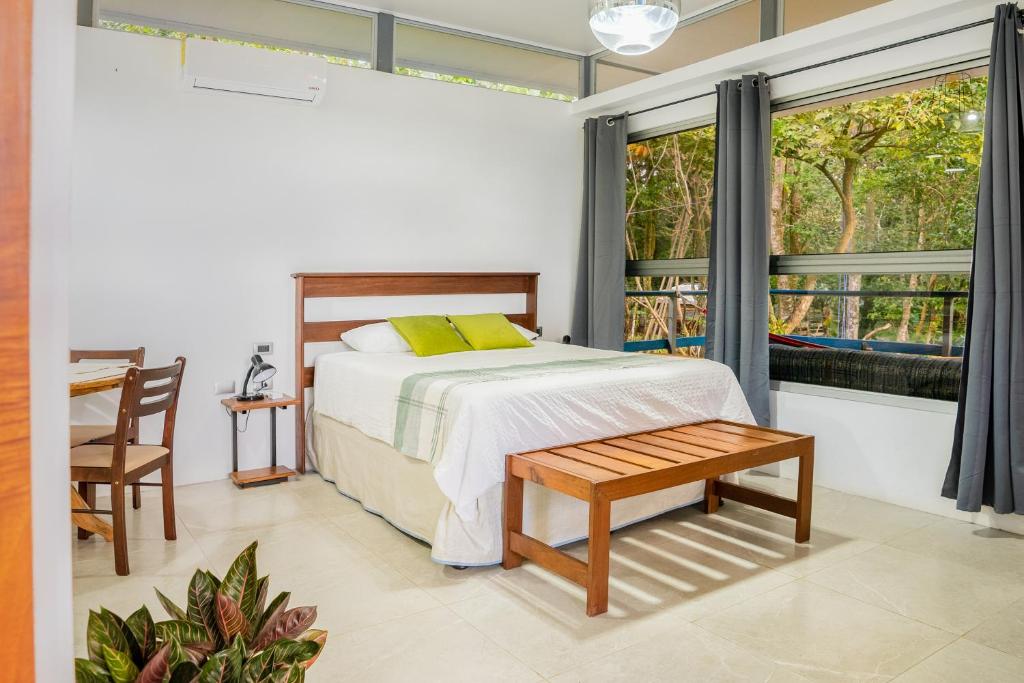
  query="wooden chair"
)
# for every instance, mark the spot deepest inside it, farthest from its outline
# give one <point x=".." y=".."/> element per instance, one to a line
<point x="83" y="434"/>
<point x="145" y="392"/>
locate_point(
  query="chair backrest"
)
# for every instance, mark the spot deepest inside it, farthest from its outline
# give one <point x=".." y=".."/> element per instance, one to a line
<point x="147" y="391"/>
<point x="136" y="357"/>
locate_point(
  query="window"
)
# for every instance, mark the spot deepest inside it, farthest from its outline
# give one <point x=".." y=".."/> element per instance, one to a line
<point x="456" y="58"/>
<point x="798" y="14"/>
<point x="669" y="183"/>
<point x="343" y="37"/>
<point x="714" y="28"/>
<point x="886" y="183"/>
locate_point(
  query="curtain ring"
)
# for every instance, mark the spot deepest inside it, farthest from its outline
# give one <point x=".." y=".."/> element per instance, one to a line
<point x="610" y="122"/>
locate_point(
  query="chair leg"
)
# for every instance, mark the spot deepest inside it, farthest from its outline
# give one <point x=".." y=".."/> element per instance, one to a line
<point x="598" y="549"/>
<point x="88" y="493"/>
<point x="167" y="489"/>
<point x="136" y="496"/>
<point x="120" y="532"/>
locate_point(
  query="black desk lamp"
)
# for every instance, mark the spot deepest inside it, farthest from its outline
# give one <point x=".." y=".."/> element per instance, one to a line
<point x="259" y="372"/>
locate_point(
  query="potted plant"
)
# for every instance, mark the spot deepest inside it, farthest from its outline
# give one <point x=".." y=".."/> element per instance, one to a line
<point x="225" y="634"/>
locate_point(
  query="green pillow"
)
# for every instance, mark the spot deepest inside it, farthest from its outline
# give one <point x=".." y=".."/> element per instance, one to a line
<point x="429" y="335"/>
<point x="489" y="331"/>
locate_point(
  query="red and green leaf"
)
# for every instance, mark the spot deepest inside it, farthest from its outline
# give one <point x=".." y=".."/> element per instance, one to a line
<point x="186" y="672"/>
<point x="120" y="665"/>
<point x="225" y="666"/>
<point x="259" y="667"/>
<point x="173" y="611"/>
<point x="88" y="671"/>
<point x="270" y="617"/>
<point x="230" y="619"/>
<point x="240" y="584"/>
<point x="319" y="637"/>
<point x="157" y="668"/>
<point x="104" y="628"/>
<point x="262" y="588"/>
<point x="202" y="603"/>
<point x="294" y="651"/>
<point x="143" y="630"/>
<point x="184" y="632"/>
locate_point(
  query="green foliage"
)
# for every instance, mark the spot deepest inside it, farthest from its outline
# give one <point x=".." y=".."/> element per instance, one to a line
<point x="875" y="175"/>
<point x="225" y="635"/>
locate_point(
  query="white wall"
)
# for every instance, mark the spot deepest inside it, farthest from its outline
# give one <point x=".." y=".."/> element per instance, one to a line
<point x="191" y="210"/>
<point x="53" y="54"/>
<point x="887" y="448"/>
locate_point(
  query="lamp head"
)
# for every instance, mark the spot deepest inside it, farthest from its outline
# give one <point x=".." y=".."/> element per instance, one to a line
<point x="259" y="372"/>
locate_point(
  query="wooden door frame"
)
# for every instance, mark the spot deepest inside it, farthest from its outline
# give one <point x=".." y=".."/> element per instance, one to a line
<point x="17" y="653"/>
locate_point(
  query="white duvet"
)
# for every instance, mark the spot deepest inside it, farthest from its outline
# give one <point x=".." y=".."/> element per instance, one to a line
<point x="565" y="401"/>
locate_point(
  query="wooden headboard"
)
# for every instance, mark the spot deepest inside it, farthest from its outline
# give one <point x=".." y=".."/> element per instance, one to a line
<point x="341" y="285"/>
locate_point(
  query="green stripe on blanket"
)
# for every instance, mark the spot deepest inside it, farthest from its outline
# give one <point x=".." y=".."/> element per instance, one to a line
<point x="421" y="420"/>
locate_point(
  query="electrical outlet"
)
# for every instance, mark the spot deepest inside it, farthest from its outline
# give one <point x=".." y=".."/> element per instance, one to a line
<point x="263" y="348"/>
<point x="224" y="387"/>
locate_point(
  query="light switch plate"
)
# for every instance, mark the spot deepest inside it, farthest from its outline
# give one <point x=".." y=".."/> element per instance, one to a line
<point x="227" y="387"/>
<point x="263" y="348"/>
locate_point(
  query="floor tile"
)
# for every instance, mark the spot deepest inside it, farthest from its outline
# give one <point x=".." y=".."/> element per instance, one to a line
<point x="221" y="506"/>
<point x="951" y="596"/>
<point x="541" y="619"/>
<point x="966" y="662"/>
<point x="1002" y="630"/>
<point x="444" y="583"/>
<point x="766" y="539"/>
<point x="685" y="648"/>
<point x="847" y="515"/>
<point x="997" y="552"/>
<point x="146" y="557"/>
<point x="823" y="635"/>
<point x="434" y="645"/>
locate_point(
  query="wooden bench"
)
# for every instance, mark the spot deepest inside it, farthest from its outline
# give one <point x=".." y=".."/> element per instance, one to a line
<point x="600" y="472"/>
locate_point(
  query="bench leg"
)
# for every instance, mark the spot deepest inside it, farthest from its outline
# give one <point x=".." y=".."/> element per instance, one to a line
<point x="513" y="518"/>
<point x="598" y="555"/>
<point x="711" y="500"/>
<point x="803" y="498"/>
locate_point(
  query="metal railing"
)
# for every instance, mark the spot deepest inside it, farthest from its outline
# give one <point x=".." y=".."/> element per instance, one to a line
<point x="945" y="348"/>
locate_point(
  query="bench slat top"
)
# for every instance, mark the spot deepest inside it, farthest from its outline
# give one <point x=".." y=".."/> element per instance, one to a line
<point x="683" y="447"/>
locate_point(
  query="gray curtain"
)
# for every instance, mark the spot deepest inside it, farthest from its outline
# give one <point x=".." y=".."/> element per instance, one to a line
<point x="987" y="466"/>
<point x="737" y="321"/>
<point x="600" y="308"/>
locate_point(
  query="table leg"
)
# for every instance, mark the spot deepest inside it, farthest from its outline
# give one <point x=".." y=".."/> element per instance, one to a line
<point x="234" y="441"/>
<point x="87" y="521"/>
<point x="273" y="436"/>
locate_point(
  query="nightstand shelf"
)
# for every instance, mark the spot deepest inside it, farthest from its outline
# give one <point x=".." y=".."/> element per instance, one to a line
<point x="262" y="476"/>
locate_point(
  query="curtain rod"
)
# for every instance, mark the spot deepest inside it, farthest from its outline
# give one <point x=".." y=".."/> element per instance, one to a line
<point x="828" y="62"/>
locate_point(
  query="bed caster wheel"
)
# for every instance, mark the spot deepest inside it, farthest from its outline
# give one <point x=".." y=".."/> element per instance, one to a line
<point x="459" y="567"/>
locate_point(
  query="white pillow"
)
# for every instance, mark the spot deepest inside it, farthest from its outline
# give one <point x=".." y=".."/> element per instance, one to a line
<point x="376" y="338"/>
<point x="530" y="335"/>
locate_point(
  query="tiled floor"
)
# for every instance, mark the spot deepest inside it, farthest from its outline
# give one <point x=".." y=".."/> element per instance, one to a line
<point x="880" y="593"/>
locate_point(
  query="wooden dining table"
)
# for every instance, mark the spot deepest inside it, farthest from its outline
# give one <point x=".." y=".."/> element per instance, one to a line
<point x="82" y="383"/>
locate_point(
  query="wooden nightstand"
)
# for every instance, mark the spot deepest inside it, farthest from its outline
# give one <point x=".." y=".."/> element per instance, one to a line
<point x="264" y="475"/>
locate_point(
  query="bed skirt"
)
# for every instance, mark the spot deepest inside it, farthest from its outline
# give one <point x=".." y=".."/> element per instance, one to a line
<point x="402" y="490"/>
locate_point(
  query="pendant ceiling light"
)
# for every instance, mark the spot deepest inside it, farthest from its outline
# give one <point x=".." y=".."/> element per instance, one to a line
<point x="633" y="27"/>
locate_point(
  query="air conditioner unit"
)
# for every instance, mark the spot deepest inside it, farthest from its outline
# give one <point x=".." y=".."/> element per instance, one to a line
<point x="223" y="67"/>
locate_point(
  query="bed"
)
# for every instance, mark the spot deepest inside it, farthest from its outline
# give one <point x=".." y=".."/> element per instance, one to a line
<point x="422" y="441"/>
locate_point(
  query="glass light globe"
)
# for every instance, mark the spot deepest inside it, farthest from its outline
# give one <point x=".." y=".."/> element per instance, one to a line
<point x="633" y="27"/>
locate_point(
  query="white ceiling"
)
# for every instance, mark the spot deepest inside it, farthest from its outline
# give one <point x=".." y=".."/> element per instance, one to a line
<point x="560" y="24"/>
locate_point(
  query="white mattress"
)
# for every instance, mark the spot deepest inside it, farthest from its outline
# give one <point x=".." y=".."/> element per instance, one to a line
<point x="544" y="396"/>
